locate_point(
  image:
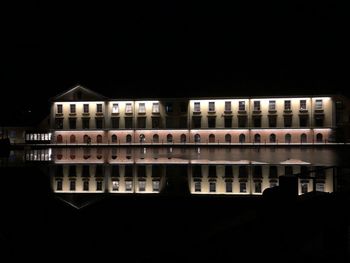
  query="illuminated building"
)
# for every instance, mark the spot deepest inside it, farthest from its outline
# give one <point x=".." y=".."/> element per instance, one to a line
<point x="81" y="116"/>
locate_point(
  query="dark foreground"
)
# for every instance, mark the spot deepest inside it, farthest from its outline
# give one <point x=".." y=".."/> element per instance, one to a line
<point x="35" y="224"/>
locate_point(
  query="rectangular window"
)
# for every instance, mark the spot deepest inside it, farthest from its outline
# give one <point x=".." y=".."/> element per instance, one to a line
<point x="228" y="122"/>
<point x="59" y="108"/>
<point x="86" y="108"/>
<point x="155" y="122"/>
<point x="155" y="107"/>
<point x="241" y="105"/>
<point x="229" y="187"/>
<point x="98" y="185"/>
<point x="128" y="108"/>
<point x="142" y="108"/>
<point x="86" y="123"/>
<point x="128" y="185"/>
<point x="169" y="107"/>
<point x="228" y="107"/>
<point x="272" y="121"/>
<point x="303" y="121"/>
<point x="115" y="108"/>
<point x="115" y="185"/>
<point x="288" y="121"/>
<point x="128" y="123"/>
<point x="242" y="187"/>
<point x="304" y="188"/>
<point x="272" y="105"/>
<point x="320" y="187"/>
<point x="211" y="122"/>
<point x="115" y="123"/>
<point x="59" y="123"/>
<point x="99" y="123"/>
<point x="141" y="122"/>
<point x="257" y="121"/>
<point x="59" y="185"/>
<point x="197" y="107"/>
<point x="319" y="120"/>
<point x="212" y="187"/>
<point x="183" y="107"/>
<point x="86" y="185"/>
<point x="183" y="123"/>
<point x="257" y="187"/>
<point x="72" y="123"/>
<point x="197" y="122"/>
<point x="257" y="105"/>
<point x="142" y="186"/>
<point x="155" y="186"/>
<point x="302" y="104"/>
<point x="72" y="108"/>
<point x="197" y="186"/>
<point x="319" y="105"/>
<point x="242" y="121"/>
<point x="211" y="106"/>
<point x="72" y="185"/>
<point x="287" y="105"/>
<point x="99" y="108"/>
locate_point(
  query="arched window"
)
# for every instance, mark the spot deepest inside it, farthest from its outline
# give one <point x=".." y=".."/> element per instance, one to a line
<point x="128" y="138"/>
<point x="319" y="137"/>
<point x="86" y="138"/>
<point x="114" y="138"/>
<point x="272" y="138"/>
<point x="142" y="138"/>
<point x="228" y="138"/>
<point x="197" y="138"/>
<point x="241" y="138"/>
<point x="59" y="138"/>
<point x="303" y="138"/>
<point x="169" y="138"/>
<point x="257" y="138"/>
<point x="72" y="139"/>
<point x="183" y="138"/>
<point x="211" y="138"/>
<point x="156" y="138"/>
<point x="99" y="138"/>
<point x="288" y="138"/>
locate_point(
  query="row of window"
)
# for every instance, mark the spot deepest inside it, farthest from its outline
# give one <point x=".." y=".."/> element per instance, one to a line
<point x="197" y="106"/>
<point x="257" y="105"/>
<point x="196" y="122"/>
<point x="197" y="138"/>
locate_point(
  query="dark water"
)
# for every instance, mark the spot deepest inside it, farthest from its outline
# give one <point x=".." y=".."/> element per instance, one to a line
<point x="37" y="221"/>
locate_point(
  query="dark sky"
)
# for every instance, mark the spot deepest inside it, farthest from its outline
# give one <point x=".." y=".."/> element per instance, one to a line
<point x="170" y="48"/>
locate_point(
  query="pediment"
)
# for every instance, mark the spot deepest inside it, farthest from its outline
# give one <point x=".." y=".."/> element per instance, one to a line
<point x="79" y="93"/>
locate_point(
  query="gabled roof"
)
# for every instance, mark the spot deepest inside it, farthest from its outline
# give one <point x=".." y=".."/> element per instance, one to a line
<point x="79" y="93"/>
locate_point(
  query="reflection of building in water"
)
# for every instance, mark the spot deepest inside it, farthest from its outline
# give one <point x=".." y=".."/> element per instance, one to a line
<point x="254" y="179"/>
<point x="112" y="178"/>
<point x="153" y="170"/>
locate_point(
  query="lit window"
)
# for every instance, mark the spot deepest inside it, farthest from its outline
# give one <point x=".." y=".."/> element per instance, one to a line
<point x="241" y="105"/>
<point x="272" y="105"/>
<point x="211" y="106"/>
<point x="155" y="186"/>
<point x="115" y="108"/>
<point x="142" y="186"/>
<point x="115" y="185"/>
<point x="86" y="108"/>
<point x="59" y="108"/>
<point x="320" y="187"/>
<point x="257" y="105"/>
<point x="128" y="108"/>
<point x="197" y="106"/>
<point x="287" y="105"/>
<point x="302" y="104"/>
<point x="99" y="108"/>
<point x="128" y="186"/>
<point x="72" y="108"/>
<point x="318" y="105"/>
<point x="197" y="186"/>
<point x="155" y="107"/>
<point x="142" y="108"/>
<point x="228" y="106"/>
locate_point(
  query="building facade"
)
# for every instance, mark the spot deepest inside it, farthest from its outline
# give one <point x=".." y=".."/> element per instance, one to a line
<point x="81" y="116"/>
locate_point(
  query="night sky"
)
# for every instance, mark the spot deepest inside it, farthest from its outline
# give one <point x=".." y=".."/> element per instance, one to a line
<point x="171" y="49"/>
